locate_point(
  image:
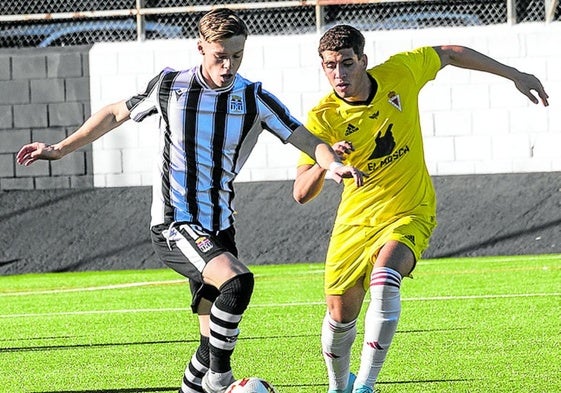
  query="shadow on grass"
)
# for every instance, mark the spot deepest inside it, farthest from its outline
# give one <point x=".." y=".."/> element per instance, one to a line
<point x="427" y="381"/>
<point x="124" y="390"/>
<point x="316" y="335"/>
<point x="420" y="381"/>
<point x="279" y="386"/>
<point x="410" y="331"/>
<point x="40" y="338"/>
<point x="101" y="345"/>
<point x="79" y="346"/>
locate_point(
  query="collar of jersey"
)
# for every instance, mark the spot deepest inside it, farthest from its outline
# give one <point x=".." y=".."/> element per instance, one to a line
<point x="206" y="86"/>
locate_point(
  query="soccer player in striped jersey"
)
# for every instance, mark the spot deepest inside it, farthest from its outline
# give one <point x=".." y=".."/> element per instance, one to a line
<point x="209" y="120"/>
<point x="371" y="118"/>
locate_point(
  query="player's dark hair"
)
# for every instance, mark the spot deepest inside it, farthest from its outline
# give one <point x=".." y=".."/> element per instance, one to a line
<point x="221" y="23"/>
<point x="342" y="37"/>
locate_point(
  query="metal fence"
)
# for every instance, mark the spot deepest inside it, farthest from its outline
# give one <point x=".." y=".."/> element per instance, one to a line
<point x="40" y="23"/>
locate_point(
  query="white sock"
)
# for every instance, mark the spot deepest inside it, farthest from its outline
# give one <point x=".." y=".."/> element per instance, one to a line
<point x="337" y="339"/>
<point x="220" y="379"/>
<point x="380" y="323"/>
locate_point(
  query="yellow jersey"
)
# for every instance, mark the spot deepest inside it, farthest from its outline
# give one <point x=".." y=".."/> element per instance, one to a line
<point x="386" y="136"/>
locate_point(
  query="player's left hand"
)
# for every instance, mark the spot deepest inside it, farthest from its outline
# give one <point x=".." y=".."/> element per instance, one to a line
<point x="343" y="149"/>
<point x="340" y="172"/>
<point x="527" y="84"/>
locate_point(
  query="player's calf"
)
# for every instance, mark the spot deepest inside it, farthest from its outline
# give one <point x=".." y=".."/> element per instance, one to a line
<point x="225" y="316"/>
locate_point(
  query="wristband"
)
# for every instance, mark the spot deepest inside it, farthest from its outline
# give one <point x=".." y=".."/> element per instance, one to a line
<point x="334" y="165"/>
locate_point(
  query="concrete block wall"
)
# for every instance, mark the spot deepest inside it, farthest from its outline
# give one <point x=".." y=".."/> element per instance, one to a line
<point x="44" y="96"/>
<point x="473" y="123"/>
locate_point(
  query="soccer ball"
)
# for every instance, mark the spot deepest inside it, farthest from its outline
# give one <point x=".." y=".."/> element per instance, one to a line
<point x="251" y="385"/>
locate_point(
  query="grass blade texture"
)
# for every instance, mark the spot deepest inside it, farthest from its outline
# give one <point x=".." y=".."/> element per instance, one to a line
<point x="467" y="325"/>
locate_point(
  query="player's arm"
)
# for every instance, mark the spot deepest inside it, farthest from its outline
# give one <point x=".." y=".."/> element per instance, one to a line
<point x="325" y="157"/>
<point x="308" y="183"/>
<point x="310" y="178"/>
<point x="100" y="123"/>
<point x="463" y="57"/>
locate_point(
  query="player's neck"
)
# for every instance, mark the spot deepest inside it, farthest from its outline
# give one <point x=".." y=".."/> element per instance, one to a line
<point x="368" y="90"/>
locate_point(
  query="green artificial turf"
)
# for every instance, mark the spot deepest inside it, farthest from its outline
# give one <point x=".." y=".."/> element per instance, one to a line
<point x="467" y="325"/>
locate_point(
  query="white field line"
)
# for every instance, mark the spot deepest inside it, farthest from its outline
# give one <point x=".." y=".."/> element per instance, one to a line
<point x="277" y="305"/>
<point x="158" y="283"/>
<point x="114" y="286"/>
<point x="484" y="260"/>
<point x="185" y="281"/>
<point x="310" y="272"/>
<point x="99" y="288"/>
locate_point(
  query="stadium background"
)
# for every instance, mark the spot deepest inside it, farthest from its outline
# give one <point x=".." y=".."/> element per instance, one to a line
<point x="494" y="156"/>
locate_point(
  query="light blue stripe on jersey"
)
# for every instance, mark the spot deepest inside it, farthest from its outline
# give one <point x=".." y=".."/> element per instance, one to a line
<point x="220" y="141"/>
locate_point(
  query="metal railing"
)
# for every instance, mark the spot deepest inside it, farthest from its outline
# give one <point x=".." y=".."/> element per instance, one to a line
<point x="59" y="22"/>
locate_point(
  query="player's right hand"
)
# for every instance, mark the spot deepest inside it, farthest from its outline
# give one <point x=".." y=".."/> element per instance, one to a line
<point x="28" y="154"/>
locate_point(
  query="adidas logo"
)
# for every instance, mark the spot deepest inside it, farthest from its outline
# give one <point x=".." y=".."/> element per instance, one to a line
<point x="374" y="115"/>
<point x="350" y="130"/>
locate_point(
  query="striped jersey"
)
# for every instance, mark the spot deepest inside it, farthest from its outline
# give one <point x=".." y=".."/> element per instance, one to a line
<point x="205" y="137"/>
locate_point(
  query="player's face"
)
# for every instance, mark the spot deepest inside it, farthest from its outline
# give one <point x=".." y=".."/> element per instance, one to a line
<point x="346" y="73"/>
<point x="221" y="60"/>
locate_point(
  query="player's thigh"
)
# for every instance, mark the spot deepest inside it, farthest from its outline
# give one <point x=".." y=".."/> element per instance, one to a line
<point x="401" y="243"/>
<point x="397" y="256"/>
<point x="222" y="268"/>
<point x="348" y="260"/>
<point x="188" y="249"/>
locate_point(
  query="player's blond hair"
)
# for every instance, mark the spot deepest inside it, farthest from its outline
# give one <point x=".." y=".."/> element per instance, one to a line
<point x="221" y="23"/>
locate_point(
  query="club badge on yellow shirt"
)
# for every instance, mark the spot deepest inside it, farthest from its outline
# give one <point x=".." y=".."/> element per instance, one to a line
<point x="393" y="98"/>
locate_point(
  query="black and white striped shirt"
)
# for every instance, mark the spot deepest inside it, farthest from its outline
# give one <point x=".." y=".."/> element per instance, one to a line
<point x="205" y="138"/>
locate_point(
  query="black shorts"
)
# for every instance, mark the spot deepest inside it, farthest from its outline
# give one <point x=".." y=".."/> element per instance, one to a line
<point x="187" y="248"/>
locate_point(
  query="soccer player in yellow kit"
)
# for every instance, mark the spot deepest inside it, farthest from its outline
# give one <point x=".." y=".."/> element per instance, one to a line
<point x="371" y="119"/>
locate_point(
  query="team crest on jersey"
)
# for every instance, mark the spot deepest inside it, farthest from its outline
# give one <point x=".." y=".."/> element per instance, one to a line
<point x="236" y="104"/>
<point x="393" y="98"/>
<point x="204" y="244"/>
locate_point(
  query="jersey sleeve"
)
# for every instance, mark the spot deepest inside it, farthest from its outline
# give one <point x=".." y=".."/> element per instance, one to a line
<point x="424" y="63"/>
<point x="315" y="127"/>
<point x="274" y="115"/>
<point x="145" y="104"/>
<point x="305" y="159"/>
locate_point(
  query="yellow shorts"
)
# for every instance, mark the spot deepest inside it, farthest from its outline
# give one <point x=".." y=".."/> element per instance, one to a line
<point x="353" y="249"/>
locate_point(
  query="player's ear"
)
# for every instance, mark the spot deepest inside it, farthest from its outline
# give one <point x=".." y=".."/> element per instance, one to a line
<point x="364" y="60"/>
<point x="321" y="62"/>
<point x="200" y="47"/>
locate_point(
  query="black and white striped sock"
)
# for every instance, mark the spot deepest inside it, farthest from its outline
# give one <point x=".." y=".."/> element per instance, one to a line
<point x="225" y="316"/>
<point x="197" y="368"/>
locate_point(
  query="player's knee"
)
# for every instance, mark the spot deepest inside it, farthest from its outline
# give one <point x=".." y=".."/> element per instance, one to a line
<point x="237" y="291"/>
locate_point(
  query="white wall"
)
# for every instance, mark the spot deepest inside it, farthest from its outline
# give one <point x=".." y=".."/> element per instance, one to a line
<point x="473" y="122"/>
